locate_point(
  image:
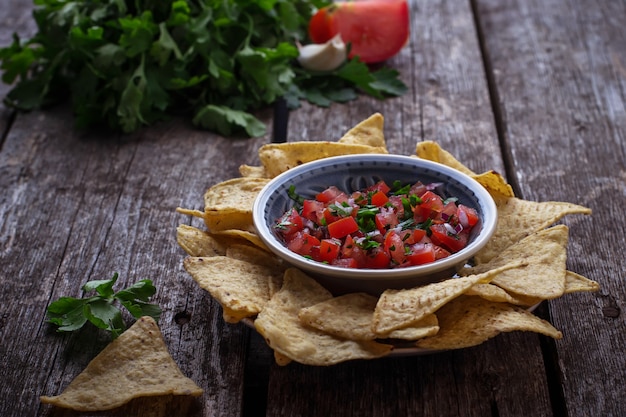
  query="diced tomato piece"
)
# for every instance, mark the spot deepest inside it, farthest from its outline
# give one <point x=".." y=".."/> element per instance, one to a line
<point x="396" y="202"/>
<point x="328" y="216"/>
<point x="342" y="227"/>
<point x="376" y="259"/>
<point x="329" y="250"/>
<point x="421" y="253"/>
<point x="302" y="243"/>
<point x="430" y="207"/>
<point x="312" y="210"/>
<point x="379" y="186"/>
<point x="331" y="194"/>
<point x="453" y="242"/>
<point x="467" y="216"/>
<point x="418" y="189"/>
<point x="412" y="236"/>
<point x="290" y="223"/>
<point x="385" y="220"/>
<point x="448" y="211"/>
<point x="348" y="247"/>
<point x="345" y="263"/>
<point x="440" y="252"/>
<point x="379" y="199"/>
<point x="394" y="246"/>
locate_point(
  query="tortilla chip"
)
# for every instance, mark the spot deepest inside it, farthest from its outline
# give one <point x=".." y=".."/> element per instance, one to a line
<point x="495" y="184"/>
<point x="136" y="364"/>
<point x="228" y="204"/>
<point x="236" y="235"/>
<point x="577" y="283"/>
<point x="240" y="287"/>
<point x="279" y="157"/>
<point x="350" y="316"/>
<point x="469" y="321"/>
<point x="496" y="294"/>
<point x="519" y="218"/>
<point x="369" y="132"/>
<point x="278" y="323"/>
<point x="428" y="326"/>
<point x="252" y="171"/>
<point x="190" y="212"/>
<point x="236" y="193"/>
<point x="544" y="276"/>
<point x="398" y="309"/>
<point x="197" y="242"/>
<point x="255" y="255"/>
<point x="433" y="152"/>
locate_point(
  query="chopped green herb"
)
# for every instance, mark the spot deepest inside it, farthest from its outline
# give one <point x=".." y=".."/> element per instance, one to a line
<point x="71" y="314"/>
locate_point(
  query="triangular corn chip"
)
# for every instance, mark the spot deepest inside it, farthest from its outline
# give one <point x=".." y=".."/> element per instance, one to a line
<point x="519" y="218"/>
<point x="398" y="309"/>
<point x="240" y="287"/>
<point x="469" y="321"/>
<point x="544" y="276"/>
<point x="577" y="283"/>
<point x="433" y="152"/>
<point x="369" y="132"/>
<point x="279" y="157"/>
<point x="198" y="242"/>
<point x="136" y="364"/>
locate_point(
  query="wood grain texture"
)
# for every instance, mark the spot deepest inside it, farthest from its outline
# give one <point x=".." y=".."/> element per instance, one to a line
<point x="77" y="208"/>
<point x="558" y="67"/>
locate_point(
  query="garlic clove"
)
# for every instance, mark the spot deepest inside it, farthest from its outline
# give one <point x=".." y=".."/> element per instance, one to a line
<point x="323" y="56"/>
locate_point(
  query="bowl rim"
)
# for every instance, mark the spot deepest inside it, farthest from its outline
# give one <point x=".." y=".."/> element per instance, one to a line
<point x="279" y="249"/>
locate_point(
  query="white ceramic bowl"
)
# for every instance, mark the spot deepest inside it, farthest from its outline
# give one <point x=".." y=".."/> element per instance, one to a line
<point x="355" y="172"/>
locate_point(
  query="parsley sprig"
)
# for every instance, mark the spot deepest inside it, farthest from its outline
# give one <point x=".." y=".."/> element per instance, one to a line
<point x="129" y="64"/>
<point x="100" y="309"/>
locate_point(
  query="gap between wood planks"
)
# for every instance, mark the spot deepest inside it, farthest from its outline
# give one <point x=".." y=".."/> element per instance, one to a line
<point x="548" y="346"/>
<point x="10" y="118"/>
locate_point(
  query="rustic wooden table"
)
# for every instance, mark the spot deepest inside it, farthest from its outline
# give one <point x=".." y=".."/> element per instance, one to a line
<point x="533" y="89"/>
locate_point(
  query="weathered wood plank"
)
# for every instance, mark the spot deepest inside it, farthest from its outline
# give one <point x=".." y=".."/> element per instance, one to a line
<point x="449" y="103"/>
<point x="559" y="70"/>
<point x="77" y="207"/>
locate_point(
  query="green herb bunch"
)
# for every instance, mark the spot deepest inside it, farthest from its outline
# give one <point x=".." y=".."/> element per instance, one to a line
<point x="100" y="309"/>
<point x="125" y="64"/>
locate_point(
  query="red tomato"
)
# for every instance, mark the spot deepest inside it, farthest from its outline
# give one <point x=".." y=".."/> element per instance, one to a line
<point x="453" y="242"/>
<point x="342" y="227"/>
<point x="394" y="246"/>
<point x="329" y="250"/>
<point x="380" y="186"/>
<point x="375" y="29"/>
<point x="386" y="220"/>
<point x="409" y="237"/>
<point x="430" y="207"/>
<point x="379" y="199"/>
<point x="345" y="263"/>
<point x="312" y="210"/>
<point x="330" y="195"/>
<point x="467" y="216"/>
<point x="376" y="259"/>
<point x="290" y="223"/>
<point x="421" y="253"/>
<point x="302" y="243"/>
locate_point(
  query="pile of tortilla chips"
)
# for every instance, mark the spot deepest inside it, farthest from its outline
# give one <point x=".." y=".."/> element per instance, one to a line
<point x="523" y="264"/>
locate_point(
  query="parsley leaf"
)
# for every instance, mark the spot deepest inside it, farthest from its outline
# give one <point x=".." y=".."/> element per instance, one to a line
<point x="130" y="64"/>
<point x="71" y="314"/>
